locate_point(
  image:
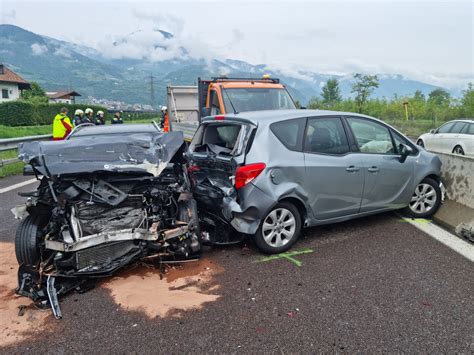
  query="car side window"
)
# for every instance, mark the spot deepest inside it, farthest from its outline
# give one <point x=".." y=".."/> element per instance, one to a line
<point x="290" y="132"/>
<point x="215" y="109"/>
<point x="371" y="136"/>
<point x="398" y="139"/>
<point x="445" y="128"/>
<point x="470" y="129"/>
<point x="457" y="128"/>
<point x="326" y="136"/>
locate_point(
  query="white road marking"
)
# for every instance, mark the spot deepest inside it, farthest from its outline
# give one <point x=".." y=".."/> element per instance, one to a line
<point x="450" y="240"/>
<point x="16" y="186"/>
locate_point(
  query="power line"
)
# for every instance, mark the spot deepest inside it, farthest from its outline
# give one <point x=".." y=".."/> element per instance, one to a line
<point x="152" y="91"/>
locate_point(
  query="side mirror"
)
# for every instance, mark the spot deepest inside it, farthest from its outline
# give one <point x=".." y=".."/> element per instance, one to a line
<point x="433" y="131"/>
<point x="404" y="150"/>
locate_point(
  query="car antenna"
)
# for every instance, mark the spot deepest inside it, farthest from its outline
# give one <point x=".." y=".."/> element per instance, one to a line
<point x="231" y="104"/>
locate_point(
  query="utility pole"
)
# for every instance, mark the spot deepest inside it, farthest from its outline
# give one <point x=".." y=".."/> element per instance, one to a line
<point x="152" y="91"/>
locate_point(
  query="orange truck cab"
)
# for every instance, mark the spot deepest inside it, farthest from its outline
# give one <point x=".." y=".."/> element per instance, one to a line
<point x="232" y="95"/>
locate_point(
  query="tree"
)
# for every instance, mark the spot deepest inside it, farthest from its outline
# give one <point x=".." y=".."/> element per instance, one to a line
<point x="363" y="87"/>
<point x="331" y="93"/>
<point x="297" y="103"/>
<point x="34" y="94"/>
<point x="439" y="97"/>
<point x="467" y="101"/>
<point x="419" y="96"/>
<point x="315" y="103"/>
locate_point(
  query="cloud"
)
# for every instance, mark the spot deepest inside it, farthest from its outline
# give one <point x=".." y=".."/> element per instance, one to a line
<point x="8" y="16"/>
<point x="39" y="49"/>
<point x="63" y="52"/>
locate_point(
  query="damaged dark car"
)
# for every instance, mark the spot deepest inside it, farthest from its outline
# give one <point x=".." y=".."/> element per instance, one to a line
<point x="104" y="200"/>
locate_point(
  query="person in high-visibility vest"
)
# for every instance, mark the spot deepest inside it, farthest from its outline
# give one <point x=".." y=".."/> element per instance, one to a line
<point x="61" y="125"/>
<point x="166" y="126"/>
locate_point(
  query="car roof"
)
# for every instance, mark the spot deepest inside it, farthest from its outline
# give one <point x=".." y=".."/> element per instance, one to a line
<point x="114" y="129"/>
<point x="468" y="120"/>
<point x="269" y="116"/>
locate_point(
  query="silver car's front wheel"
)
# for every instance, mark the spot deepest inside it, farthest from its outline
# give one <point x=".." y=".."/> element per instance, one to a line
<point x="426" y="199"/>
<point x="279" y="229"/>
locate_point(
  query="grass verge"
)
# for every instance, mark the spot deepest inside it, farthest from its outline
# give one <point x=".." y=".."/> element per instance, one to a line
<point x="10" y="169"/>
<point x="14" y="132"/>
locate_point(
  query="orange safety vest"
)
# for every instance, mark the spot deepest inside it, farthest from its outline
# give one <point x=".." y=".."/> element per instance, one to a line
<point x="61" y="127"/>
<point x="166" y="126"/>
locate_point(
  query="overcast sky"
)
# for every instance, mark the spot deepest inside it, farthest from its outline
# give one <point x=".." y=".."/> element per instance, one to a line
<point x="423" y="40"/>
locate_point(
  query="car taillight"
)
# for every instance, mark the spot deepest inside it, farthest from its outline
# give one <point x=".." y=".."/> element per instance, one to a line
<point x="247" y="173"/>
<point x="219" y="118"/>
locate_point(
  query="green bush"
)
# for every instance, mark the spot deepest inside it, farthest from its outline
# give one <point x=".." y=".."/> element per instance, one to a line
<point x="17" y="113"/>
<point x="21" y="113"/>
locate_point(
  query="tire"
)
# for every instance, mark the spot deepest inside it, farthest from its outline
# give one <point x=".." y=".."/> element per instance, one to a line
<point x="270" y="237"/>
<point x="420" y="143"/>
<point x="458" y="150"/>
<point x="426" y="199"/>
<point x="188" y="213"/>
<point x="27" y="240"/>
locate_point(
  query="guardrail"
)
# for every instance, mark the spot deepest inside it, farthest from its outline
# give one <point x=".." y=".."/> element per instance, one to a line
<point x="188" y="128"/>
<point x="12" y="143"/>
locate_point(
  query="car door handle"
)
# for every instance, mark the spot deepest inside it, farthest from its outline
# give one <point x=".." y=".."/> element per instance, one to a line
<point x="352" y="169"/>
<point x="373" y="169"/>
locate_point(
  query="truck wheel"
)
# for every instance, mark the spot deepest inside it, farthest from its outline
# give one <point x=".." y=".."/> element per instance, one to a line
<point x="425" y="200"/>
<point x="279" y="229"/>
<point x="28" y="235"/>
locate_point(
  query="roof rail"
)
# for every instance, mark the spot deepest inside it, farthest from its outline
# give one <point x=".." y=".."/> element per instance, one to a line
<point x="224" y="78"/>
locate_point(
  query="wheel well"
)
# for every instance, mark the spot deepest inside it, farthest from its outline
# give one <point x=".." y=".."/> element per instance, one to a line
<point x="434" y="177"/>
<point x="299" y="205"/>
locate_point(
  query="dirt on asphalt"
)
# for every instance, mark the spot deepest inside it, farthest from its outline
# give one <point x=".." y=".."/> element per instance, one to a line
<point x="140" y="288"/>
<point x="183" y="288"/>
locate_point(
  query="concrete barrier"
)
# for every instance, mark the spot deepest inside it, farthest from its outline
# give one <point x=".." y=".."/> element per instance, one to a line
<point x="457" y="213"/>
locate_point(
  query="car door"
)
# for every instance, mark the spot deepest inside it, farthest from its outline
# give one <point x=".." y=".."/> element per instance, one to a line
<point x="452" y="138"/>
<point x="439" y="142"/>
<point x="334" y="176"/>
<point x="388" y="182"/>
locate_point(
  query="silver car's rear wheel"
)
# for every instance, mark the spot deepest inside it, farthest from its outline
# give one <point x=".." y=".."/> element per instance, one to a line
<point x="279" y="227"/>
<point x="424" y="199"/>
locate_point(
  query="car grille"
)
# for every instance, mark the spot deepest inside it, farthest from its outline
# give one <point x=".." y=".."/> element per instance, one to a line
<point x="102" y="255"/>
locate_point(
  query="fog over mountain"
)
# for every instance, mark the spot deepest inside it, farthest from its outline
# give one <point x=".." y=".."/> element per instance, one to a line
<point x="119" y="68"/>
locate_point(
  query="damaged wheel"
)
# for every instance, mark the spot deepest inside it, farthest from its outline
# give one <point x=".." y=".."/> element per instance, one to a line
<point x="27" y="240"/>
<point x="279" y="229"/>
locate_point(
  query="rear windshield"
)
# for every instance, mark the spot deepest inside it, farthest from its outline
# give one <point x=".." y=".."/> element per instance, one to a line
<point x="221" y="138"/>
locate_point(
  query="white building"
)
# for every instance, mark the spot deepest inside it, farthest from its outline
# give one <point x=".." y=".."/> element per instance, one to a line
<point x="11" y="84"/>
<point x="64" y="97"/>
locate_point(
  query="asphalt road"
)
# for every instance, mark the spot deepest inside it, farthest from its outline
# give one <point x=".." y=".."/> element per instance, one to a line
<point x="372" y="285"/>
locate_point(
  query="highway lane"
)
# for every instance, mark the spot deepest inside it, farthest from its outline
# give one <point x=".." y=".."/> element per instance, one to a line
<point x="374" y="284"/>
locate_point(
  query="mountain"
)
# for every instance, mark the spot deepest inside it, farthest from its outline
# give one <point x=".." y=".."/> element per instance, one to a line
<point x="57" y="65"/>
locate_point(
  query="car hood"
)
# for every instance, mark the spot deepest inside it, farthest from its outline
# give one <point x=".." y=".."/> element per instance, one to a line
<point x="147" y="153"/>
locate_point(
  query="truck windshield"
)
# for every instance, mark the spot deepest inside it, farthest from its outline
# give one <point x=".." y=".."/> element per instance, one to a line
<point x="257" y="99"/>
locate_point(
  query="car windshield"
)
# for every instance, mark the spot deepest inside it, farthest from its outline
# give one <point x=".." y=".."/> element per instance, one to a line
<point x="257" y="99"/>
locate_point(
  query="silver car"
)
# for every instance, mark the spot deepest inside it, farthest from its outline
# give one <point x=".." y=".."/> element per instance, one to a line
<point x="271" y="173"/>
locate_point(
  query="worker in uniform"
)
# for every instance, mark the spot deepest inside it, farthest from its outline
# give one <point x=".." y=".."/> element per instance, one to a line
<point x="164" y="113"/>
<point x="99" y="118"/>
<point x="78" y="117"/>
<point x="61" y="125"/>
<point x="89" y="117"/>
<point x="117" y="119"/>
